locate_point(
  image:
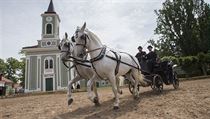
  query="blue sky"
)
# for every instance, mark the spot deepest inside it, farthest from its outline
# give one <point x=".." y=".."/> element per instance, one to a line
<point x="121" y="24"/>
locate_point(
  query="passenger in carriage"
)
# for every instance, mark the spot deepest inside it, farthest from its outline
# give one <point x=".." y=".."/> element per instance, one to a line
<point x="140" y="54"/>
<point x="151" y="58"/>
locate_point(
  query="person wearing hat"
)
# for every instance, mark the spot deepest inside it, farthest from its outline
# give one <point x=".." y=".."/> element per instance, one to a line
<point x="151" y="58"/>
<point x="140" y="54"/>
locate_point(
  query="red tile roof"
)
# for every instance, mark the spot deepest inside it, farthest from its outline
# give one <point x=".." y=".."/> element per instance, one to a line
<point x="5" y="80"/>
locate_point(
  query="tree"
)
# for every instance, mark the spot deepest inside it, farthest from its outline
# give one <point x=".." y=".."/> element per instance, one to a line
<point x="2" y="66"/>
<point x="22" y="71"/>
<point x="12" y="68"/>
<point x="184" y="27"/>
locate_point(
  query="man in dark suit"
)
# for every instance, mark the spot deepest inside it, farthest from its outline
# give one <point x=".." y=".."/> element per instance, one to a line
<point x="140" y="54"/>
<point x="151" y="58"/>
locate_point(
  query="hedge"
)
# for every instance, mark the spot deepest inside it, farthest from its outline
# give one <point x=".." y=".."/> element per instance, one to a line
<point x="192" y="65"/>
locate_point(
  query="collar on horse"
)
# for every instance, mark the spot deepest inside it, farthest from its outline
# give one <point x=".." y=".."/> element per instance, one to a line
<point x="100" y="56"/>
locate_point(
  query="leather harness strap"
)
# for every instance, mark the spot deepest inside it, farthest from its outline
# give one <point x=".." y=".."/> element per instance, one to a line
<point x="94" y="50"/>
<point x="132" y="59"/>
<point x="100" y="56"/>
<point x="118" y="60"/>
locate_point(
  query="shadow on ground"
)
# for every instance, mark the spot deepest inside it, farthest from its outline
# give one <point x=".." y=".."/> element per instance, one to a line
<point x="105" y="111"/>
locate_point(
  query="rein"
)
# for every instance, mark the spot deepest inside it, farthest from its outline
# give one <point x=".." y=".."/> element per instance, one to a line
<point x="100" y="56"/>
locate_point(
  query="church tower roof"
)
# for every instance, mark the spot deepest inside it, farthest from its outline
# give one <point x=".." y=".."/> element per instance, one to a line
<point x="50" y="8"/>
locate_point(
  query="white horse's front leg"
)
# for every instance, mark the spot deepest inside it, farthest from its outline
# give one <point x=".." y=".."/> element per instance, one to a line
<point x="114" y="89"/>
<point x="96" y="98"/>
<point x="118" y="85"/>
<point x="89" y="88"/>
<point x="69" y="92"/>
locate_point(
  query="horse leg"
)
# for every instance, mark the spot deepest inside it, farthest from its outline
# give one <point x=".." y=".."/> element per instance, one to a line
<point x="118" y="86"/>
<point x="96" y="98"/>
<point x="89" y="88"/>
<point x="136" y="75"/>
<point x="114" y="89"/>
<point x="69" y="93"/>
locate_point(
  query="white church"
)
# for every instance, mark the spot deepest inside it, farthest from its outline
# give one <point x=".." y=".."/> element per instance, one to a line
<point x="44" y="69"/>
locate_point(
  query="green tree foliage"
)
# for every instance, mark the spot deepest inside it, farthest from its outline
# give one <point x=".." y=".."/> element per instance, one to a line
<point x="2" y="66"/>
<point x="13" y="67"/>
<point x="22" y="71"/>
<point x="184" y="27"/>
<point x="193" y="65"/>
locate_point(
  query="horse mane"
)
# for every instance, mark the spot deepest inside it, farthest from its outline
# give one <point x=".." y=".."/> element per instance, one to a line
<point x="91" y="34"/>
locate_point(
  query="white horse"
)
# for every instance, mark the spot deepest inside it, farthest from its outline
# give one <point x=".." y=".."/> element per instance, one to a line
<point x="107" y="63"/>
<point x="84" y="69"/>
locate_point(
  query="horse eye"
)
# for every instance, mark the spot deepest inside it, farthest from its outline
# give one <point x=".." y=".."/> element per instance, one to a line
<point x="83" y="37"/>
<point x="72" y="39"/>
<point x="59" y="47"/>
<point x="66" y="44"/>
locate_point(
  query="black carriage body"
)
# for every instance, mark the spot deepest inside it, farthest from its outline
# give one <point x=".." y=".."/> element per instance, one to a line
<point x="163" y="69"/>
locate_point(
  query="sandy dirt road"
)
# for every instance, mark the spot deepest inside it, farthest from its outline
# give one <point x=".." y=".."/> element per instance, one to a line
<point x="191" y="100"/>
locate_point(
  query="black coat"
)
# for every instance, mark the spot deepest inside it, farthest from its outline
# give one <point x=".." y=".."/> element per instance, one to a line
<point x="151" y="56"/>
<point x="140" y="55"/>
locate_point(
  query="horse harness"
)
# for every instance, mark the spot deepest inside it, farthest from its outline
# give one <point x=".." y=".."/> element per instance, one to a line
<point x="117" y="58"/>
<point x="102" y="54"/>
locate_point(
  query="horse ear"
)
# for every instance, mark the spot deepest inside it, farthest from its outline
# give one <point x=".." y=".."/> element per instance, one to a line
<point x="83" y="27"/>
<point x="66" y="35"/>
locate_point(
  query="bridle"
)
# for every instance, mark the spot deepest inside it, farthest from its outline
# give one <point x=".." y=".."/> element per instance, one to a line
<point x="84" y="47"/>
<point x="75" y="60"/>
<point x="85" y="37"/>
<point x="69" y="45"/>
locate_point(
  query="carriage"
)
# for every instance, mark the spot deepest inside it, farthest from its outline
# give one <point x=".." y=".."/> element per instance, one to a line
<point x="163" y="73"/>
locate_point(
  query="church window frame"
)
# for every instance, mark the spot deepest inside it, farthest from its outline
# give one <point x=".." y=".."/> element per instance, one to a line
<point x="49" y="65"/>
<point x="46" y="28"/>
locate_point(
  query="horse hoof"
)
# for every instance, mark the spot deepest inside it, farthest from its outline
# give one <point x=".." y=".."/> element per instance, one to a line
<point x="95" y="100"/>
<point x="97" y="104"/>
<point x="70" y="101"/>
<point x="121" y="92"/>
<point x="116" y="108"/>
<point x="136" y="97"/>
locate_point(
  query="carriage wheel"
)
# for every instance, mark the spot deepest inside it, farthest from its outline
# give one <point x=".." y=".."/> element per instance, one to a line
<point x="175" y="81"/>
<point x="131" y="87"/>
<point x="157" y="83"/>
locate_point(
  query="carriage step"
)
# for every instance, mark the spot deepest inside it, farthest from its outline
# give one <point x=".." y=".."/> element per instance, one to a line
<point x="147" y="80"/>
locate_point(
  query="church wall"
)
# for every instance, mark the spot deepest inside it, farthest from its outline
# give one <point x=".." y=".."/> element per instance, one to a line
<point x="50" y="75"/>
<point x="33" y="73"/>
<point x="39" y="72"/>
<point x="43" y="27"/>
<point x="27" y="74"/>
<point x="64" y="75"/>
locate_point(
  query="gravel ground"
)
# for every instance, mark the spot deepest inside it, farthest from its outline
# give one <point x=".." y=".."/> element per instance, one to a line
<point x="191" y="100"/>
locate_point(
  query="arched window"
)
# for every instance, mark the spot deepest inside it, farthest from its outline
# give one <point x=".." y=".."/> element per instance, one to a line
<point x="46" y="64"/>
<point x="51" y="64"/>
<point x="49" y="28"/>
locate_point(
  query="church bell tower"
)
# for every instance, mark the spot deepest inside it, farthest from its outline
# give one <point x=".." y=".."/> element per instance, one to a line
<point x="50" y="26"/>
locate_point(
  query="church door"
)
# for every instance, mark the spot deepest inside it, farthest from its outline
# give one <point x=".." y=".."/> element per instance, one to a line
<point x="49" y="84"/>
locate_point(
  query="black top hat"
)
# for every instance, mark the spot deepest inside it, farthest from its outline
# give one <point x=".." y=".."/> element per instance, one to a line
<point x="140" y="47"/>
<point x="149" y="47"/>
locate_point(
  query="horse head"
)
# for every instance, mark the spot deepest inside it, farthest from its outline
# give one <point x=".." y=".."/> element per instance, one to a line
<point x="81" y="42"/>
<point x="66" y="48"/>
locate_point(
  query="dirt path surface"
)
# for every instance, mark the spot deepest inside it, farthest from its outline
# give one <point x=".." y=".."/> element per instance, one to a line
<point x="191" y="100"/>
